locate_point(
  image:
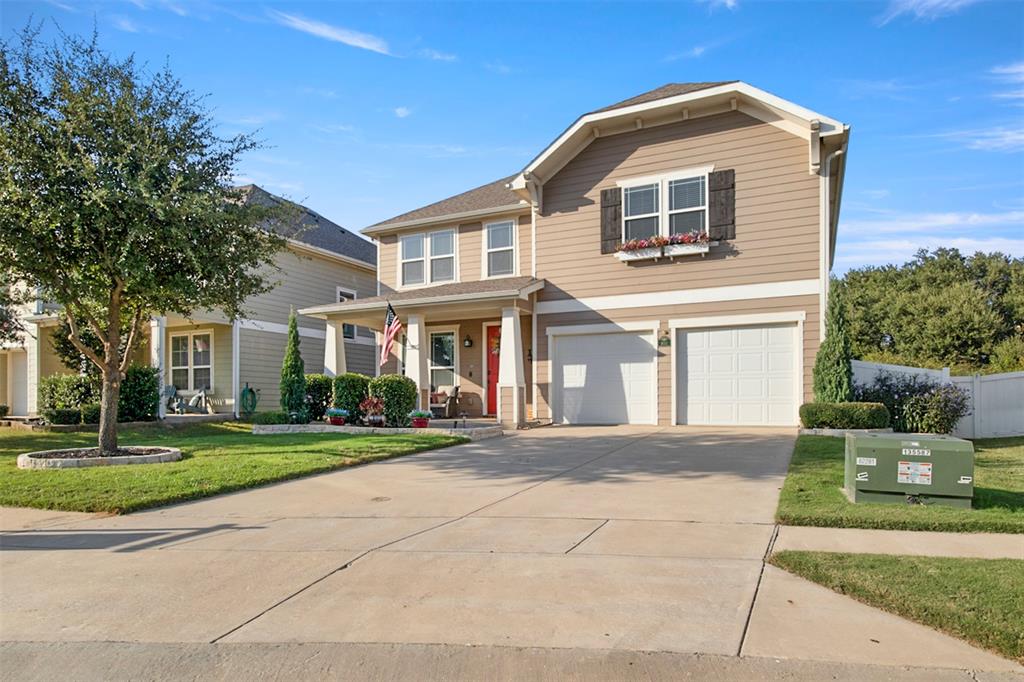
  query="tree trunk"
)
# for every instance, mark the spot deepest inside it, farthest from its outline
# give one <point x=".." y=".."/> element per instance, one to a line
<point x="108" y="409"/>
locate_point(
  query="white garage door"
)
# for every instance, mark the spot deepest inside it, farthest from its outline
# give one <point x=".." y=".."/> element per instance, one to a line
<point x="605" y="378"/>
<point x="737" y="375"/>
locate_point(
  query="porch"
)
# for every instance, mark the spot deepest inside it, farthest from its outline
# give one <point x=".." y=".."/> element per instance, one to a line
<point x="473" y="336"/>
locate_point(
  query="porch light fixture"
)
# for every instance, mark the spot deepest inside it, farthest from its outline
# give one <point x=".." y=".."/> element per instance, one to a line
<point x="529" y="355"/>
<point x="665" y="339"/>
<point x="467" y="342"/>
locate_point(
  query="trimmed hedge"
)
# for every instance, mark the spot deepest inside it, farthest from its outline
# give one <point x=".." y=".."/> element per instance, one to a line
<point x="349" y="390"/>
<point x="318" y="395"/>
<point x="275" y="417"/>
<point x="67" y="391"/>
<point x="844" y="416"/>
<point x="91" y="413"/>
<point x="399" y="395"/>
<point x="139" y="400"/>
<point x="62" y="415"/>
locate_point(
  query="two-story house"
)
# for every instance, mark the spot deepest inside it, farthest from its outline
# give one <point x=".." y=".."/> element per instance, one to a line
<point x="321" y="261"/>
<point x="530" y="295"/>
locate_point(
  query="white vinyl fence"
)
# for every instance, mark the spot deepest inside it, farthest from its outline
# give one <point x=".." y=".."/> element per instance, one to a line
<point x="996" y="400"/>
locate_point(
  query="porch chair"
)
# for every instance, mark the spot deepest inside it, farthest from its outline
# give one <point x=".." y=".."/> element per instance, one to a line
<point x="448" y="407"/>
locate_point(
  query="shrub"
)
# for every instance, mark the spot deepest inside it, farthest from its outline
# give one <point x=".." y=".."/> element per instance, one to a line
<point x="372" y="406"/>
<point x="67" y="391"/>
<point x="350" y="390"/>
<point x="3" y="411"/>
<point x="893" y="391"/>
<point x="318" y="395"/>
<point x="277" y="417"/>
<point x="139" y="400"/>
<point x="91" y="413"/>
<point x="399" y="395"/>
<point x="937" y="411"/>
<point x="844" y="415"/>
<point x="62" y="415"/>
<point x="293" y="377"/>
<point x="833" y="376"/>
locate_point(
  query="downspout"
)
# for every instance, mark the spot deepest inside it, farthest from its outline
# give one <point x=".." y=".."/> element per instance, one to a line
<point x="535" y="199"/>
<point x="825" y="236"/>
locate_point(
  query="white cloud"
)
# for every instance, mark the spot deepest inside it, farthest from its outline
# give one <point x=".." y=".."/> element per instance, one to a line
<point x="925" y="10"/>
<point x="255" y="119"/>
<point x="499" y="68"/>
<point x="437" y="55"/>
<point x="892" y="222"/>
<point x="884" y="88"/>
<point x="992" y="139"/>
<point x="63" y="6"/>
<point x="692" y="53"/>
<point x="730" y="5"/>
<point x="898" y="251"/>
<point x="335" y="128"/>
<point x="876" y="193"/>
<point x="403" y="112"/>
<point x="338" y="34"/>
<point x="1012" y="74"/>
<point x="125" y="24"/>
<point x="266" y="182"/>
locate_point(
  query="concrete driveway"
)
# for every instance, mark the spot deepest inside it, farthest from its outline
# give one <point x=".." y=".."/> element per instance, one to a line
<point x="617" y="538"/>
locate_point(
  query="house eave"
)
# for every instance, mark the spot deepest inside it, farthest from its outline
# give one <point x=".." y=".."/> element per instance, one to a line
<point x="446" y="218"/>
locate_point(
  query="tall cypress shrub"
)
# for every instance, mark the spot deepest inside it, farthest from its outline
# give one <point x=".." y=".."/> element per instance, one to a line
<point x="293" y="372"/>
<point x="833" y="376"/>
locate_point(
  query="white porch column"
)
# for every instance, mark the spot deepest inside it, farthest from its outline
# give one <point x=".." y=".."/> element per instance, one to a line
<point x="511" y="375"/>
<point x="157" y="334"/>
<point x="334" y="349"/>
<point x="33" y="346"/>
<point x="416" y="357"/>
<point x="236" y="367"/>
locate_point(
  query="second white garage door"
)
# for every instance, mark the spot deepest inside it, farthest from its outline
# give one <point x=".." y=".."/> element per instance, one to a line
<point x="744" y="376"/>
<point x="605" y="378"/>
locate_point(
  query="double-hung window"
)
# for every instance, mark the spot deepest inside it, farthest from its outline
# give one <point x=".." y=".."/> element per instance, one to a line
<point x="348" y="331"/>
<point x="427" y="258"/>
<point x="500" y="248"/>
<point x="675" y="203"/>
<point x="442" y="359"/>
<point x="192" y="361"/>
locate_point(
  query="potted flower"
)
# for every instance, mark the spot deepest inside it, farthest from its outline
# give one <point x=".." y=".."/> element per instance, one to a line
<point x="686" y="242"/>
<point x="373" y="408"/>
<point x="641" y="249"/>
<point x="420" y="418"/>
<point x="336" y="416"/>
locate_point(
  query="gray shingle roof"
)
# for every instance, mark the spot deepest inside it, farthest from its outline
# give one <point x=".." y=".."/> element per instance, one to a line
<point x="667" y="90"/>
<point x="315" y="230"/>
<point x="492" y="195"/>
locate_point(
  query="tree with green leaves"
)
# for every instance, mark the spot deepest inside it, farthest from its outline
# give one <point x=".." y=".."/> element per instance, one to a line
<point x="293" y="371"/>
<point x="833" y="376"/>
<point x="12" y="296"/>
<point x="115" y="200"/>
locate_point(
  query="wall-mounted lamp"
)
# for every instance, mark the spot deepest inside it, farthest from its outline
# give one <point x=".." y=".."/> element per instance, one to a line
<point x="529" y="355"/>
<point x="665" y="339"/>
<point x="467" y="342"/>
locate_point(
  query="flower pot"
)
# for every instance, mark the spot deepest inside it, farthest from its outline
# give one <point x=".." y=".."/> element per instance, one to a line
<point x="420" y="422"/>
<point x="336" y="421"/>
<point x="685" y="249"/>
<point x="375" y="420"/>
<point x="639" y="254"/>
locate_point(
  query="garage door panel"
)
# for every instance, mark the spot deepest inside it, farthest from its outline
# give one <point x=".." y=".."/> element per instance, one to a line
<point x="736" y="375"/>
<point x="605" y="378"/>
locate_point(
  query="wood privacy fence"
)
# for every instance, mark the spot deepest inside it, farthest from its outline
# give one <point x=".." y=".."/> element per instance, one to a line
<point x="996" y="400"/>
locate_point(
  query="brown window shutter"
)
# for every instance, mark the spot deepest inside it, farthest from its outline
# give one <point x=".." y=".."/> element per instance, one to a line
<point x="722" y="205"/>
<point x="611" y="219"/>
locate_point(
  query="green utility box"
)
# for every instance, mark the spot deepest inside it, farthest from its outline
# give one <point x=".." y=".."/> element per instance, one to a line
<point x="906" y="468"/>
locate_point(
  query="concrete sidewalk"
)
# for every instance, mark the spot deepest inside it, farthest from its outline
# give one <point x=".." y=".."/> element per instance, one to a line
<point x="917" y="543"/>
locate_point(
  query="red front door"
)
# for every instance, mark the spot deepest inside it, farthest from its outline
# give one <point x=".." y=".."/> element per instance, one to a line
<point x="493" y="346"/>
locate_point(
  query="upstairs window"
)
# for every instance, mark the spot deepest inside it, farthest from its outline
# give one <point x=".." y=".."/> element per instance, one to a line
<point x="641" y="211"/>
<point x="687" y="205"/>
<point x="427" y="258"/>
<point x="664" y="205"/>
<point x="500" y="248"/>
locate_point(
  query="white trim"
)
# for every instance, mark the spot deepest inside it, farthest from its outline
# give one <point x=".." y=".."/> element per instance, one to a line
<point x="650" y="326"/>
<point x="189" y="334"/>
<point x="795" y="317"/>
<point x="664" y="212"/>
<point x="486" y="251"/>
<point x="739" y="292"/>
<point x="446" y="218"/>
<point x="236" y="367"/>
<point x="332" y="255"/>
<point x="681" y="174"/>
<point x="824" y="237"/>
<point x="533" y="361"/>
<point x="426" y="259"/>
<point x="446" y="329"/>
<point x="487" y="373"/>
<point x="376" y="272"/>
<point x="523" y="292"/>
<point x="277" y="328"/>
<point x="737" y="320"/>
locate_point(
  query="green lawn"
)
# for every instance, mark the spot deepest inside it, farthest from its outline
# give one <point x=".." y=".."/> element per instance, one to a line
<point x="979" y="600"/>
<point x="218" y="458"/>
<point x="812" y="495"/>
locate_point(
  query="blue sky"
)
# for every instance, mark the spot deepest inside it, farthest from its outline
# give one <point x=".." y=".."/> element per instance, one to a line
<point x="370" y="110"/>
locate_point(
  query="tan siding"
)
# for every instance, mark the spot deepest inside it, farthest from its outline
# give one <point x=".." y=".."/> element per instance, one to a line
<point x="49" y="361"/>
<point x="808" y="304"/>
<point x="222" y="390"/>
<point x="470" y="244"/>
<point x="776" y="209"/>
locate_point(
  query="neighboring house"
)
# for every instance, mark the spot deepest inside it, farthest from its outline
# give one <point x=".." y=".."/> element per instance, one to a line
<point x="322" y="261"/>
<point x="514" y="291"/>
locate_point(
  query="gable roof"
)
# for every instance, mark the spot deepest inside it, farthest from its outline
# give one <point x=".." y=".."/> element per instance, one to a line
<point x="314" y="230"/>
<point x="493" y="195"/>
<point x="667" y="90"/>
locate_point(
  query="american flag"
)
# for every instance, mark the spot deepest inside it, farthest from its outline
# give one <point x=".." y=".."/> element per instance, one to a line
<point x="392" y="326"/>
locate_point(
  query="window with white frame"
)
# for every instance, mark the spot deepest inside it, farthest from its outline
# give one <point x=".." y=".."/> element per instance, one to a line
<point x="192" y="361"/>
<point x="442" y="359"/>
<point x="672" y="204"/>
<point x="427" y="258"/>
<point x="347" y="330"/>
<point x="500" y="248"/>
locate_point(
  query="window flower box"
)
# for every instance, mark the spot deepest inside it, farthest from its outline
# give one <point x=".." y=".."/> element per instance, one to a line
<point x="658" y="246"/>
<point x="685" y="249"/>
<point x="639" y="254"/>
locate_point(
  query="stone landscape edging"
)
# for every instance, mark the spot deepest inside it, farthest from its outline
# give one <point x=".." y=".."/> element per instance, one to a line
<point x="841" y="432"/>
<point x="26" y="460"/>
<point x="472" y="433"/>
